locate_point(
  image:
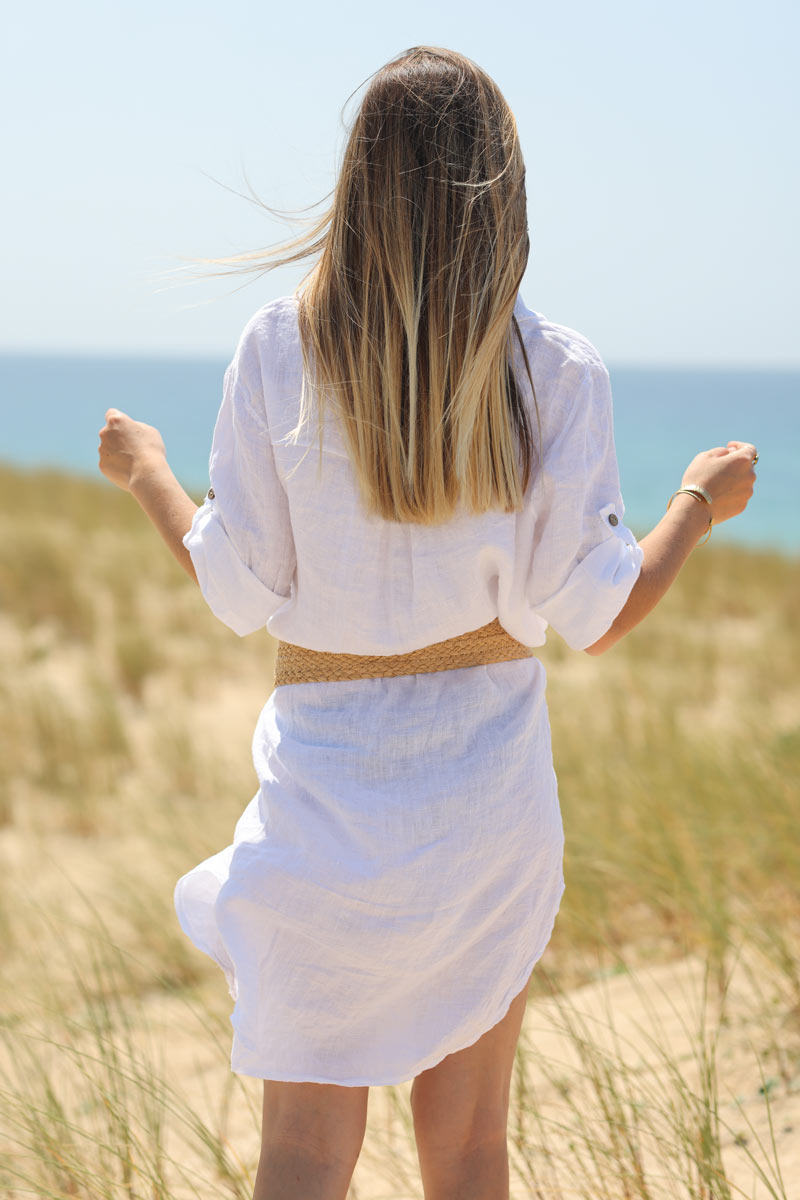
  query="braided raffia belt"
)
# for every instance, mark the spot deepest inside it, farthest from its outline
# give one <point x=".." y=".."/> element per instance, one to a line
<point x="489" y="644"/>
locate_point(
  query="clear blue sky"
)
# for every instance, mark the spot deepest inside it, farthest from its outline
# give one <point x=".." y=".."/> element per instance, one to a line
<point x="660" y="140"/>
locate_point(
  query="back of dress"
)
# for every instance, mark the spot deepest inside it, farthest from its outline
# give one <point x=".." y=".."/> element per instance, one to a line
<point x="397" y="874"/>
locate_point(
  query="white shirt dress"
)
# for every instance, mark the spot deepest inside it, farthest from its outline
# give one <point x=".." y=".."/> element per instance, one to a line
<point x="397" y="875"/>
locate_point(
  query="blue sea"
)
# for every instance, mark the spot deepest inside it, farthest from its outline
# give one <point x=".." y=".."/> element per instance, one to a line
<point x="53" y="408"/>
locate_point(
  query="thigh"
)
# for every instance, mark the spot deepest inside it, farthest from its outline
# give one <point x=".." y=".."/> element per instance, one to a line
<point x="465" y="1097"/>
<point x="327" y="1118"/>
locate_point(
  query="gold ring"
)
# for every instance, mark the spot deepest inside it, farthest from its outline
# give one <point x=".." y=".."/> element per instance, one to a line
<point x="755" y="458"/>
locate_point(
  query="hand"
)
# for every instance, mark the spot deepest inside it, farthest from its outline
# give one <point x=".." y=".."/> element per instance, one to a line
<point x="726" y="472"/>
<point x="127" y="448"/>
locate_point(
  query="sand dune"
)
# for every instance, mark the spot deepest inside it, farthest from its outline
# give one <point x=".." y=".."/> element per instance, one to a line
<point x="126" y="713"/>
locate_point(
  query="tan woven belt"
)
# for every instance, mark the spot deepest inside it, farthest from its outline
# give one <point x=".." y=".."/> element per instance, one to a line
<point x="489" y="644"/>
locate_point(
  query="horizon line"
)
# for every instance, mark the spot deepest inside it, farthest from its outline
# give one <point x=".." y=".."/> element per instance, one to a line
<point x="187" y="356"/>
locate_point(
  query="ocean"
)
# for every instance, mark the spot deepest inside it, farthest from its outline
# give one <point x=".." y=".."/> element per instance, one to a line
<point x="53" y="408"/>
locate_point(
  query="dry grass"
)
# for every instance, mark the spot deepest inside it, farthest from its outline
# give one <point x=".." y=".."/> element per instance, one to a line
<point x="126" y="713"/>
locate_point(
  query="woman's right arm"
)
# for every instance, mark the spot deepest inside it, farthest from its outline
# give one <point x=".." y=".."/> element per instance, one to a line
<point x="727" y="475"/>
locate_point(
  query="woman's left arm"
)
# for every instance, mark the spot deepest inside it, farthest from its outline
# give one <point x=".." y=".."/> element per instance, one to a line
<point x="132" y="455"/>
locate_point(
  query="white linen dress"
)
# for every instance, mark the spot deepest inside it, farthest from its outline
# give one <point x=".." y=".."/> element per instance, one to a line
<point x="397" y="875"/>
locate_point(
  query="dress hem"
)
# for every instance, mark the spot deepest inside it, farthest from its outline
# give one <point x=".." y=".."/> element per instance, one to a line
<point x="426" y="1065"/>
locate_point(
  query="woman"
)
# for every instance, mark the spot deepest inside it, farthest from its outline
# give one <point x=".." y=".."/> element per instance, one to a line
<point x="386" y="480"/>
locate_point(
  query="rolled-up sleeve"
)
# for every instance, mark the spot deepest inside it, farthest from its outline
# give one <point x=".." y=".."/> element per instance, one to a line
<point x="585" y="560"/>
<point x="241" y="540"/>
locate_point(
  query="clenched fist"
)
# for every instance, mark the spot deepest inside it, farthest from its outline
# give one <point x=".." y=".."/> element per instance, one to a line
<point x="128" y="448"/>
<point x="726" y="472"/>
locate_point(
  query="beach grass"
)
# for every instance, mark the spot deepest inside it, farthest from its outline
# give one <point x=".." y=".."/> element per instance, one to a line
<point x="661" y="1054"/>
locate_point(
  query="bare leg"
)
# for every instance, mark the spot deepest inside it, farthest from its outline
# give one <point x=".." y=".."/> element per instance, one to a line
<point x="311" y="1138"/>
<point x="460" y="1110"/>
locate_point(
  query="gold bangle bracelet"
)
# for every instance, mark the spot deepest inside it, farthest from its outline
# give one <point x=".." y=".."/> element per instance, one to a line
<point x="692" y="489"/>
<point x="703" y="497"/>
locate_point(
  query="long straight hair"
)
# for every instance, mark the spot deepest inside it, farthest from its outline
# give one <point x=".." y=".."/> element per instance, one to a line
<point x="406" y="320"/>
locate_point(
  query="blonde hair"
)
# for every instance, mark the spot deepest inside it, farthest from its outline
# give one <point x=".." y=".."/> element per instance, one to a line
<point x="406" y="320"/>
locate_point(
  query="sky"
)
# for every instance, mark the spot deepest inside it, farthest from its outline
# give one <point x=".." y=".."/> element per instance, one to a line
<point x="660" y="142"/>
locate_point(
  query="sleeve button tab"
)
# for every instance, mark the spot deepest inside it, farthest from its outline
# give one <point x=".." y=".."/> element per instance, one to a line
<point x="613" y="519"/>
